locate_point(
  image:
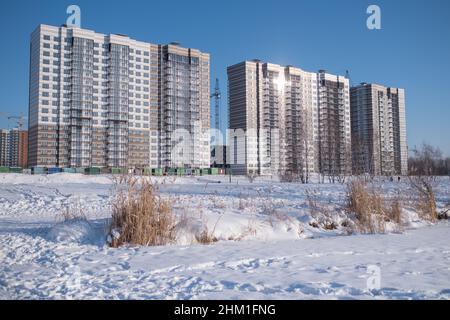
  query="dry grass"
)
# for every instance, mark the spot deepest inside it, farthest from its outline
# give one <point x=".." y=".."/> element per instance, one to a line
<point x="139" y="215"/>
<point x="248" y="231"/>
<point x="269" y="208"/>
<point x="425" y="204"/>
<point x="218" y="203"/>
<point x="244" y="202"/>
<point x="322" y="215"/>
<point x="367" y="206"/>
<point x="371" y="209"/>
<point x="395" y="210"/>
<point x="206" y="236"/>
<point x="73" y="213"/>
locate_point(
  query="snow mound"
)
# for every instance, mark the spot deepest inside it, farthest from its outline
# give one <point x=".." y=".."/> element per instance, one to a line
<point x="56" y="179"/>
<point x="75" y="231"/>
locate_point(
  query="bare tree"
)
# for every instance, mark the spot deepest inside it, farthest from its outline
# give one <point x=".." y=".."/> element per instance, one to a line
<point x="422" y="177"/>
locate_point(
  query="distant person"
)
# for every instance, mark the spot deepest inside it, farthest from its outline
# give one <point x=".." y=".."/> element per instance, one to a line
<point x="391" y="179"/>
<point x="399" y="179"/>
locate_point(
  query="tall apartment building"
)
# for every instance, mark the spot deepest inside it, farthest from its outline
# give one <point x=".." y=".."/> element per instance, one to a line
<point x="4" y="148"/>
<point x="14" y="148"/>
<point x="334" y="147"/>
<point x="378" y="130"/>
<point x="101" y="100"/>
<point x="185" y="107"/>
<point x="273" y="119"/>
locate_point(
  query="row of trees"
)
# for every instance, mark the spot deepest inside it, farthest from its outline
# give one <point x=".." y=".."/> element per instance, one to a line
<point x="429" y="161"/>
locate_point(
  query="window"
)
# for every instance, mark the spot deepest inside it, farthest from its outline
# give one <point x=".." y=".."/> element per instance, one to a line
<point x="46" y="37"/>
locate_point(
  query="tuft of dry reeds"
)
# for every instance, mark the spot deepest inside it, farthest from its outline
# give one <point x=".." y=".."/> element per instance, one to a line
<point x="371" y="209"/>
<point x="425" y="204"/>
<point x="139" y="215"/>
<point x="205" y="236"/>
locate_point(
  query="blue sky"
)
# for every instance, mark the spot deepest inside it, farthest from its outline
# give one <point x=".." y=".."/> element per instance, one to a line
<point x="411" y="51"/>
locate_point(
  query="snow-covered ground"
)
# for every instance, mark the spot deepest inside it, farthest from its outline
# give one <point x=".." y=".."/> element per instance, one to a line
<point x="269" y="244"/>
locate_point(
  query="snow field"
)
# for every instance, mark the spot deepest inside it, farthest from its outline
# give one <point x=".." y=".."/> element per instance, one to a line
<point x="267" y="248"/>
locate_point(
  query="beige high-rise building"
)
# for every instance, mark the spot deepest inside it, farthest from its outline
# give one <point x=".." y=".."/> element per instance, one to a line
<point x="272" y="118"/>
<point x="379" y="130"/>
<point x="101" y="100"/>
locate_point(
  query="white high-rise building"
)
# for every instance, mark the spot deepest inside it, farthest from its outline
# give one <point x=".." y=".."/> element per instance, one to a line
<point x="101" y="100"/>
<point x="273" y="119"/>
<point x="334" y="127"/>
<point x="379" y="130"/>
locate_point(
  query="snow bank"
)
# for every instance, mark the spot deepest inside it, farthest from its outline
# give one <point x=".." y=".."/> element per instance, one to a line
<point x="76" y="231"/>
<point x="57" y="178"/>
<point x="263" y="210"/>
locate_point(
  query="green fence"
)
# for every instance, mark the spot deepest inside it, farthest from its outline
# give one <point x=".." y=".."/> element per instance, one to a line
<point x="92" y="171"/>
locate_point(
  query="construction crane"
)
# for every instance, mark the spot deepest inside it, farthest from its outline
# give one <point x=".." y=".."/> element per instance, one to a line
<point x="20" y="120"/>
<point x="347" y="75"/>
<point x="217" y="95"/>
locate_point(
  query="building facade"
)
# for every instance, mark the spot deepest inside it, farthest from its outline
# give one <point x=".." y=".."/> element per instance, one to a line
<point x="378" y="130"/>
<point x="285" y="120"/>
<point x="101" y="100"/>
<point x="273" y="119"/>
<point x="334" y="146"/>
<point x="14" y="148"/>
